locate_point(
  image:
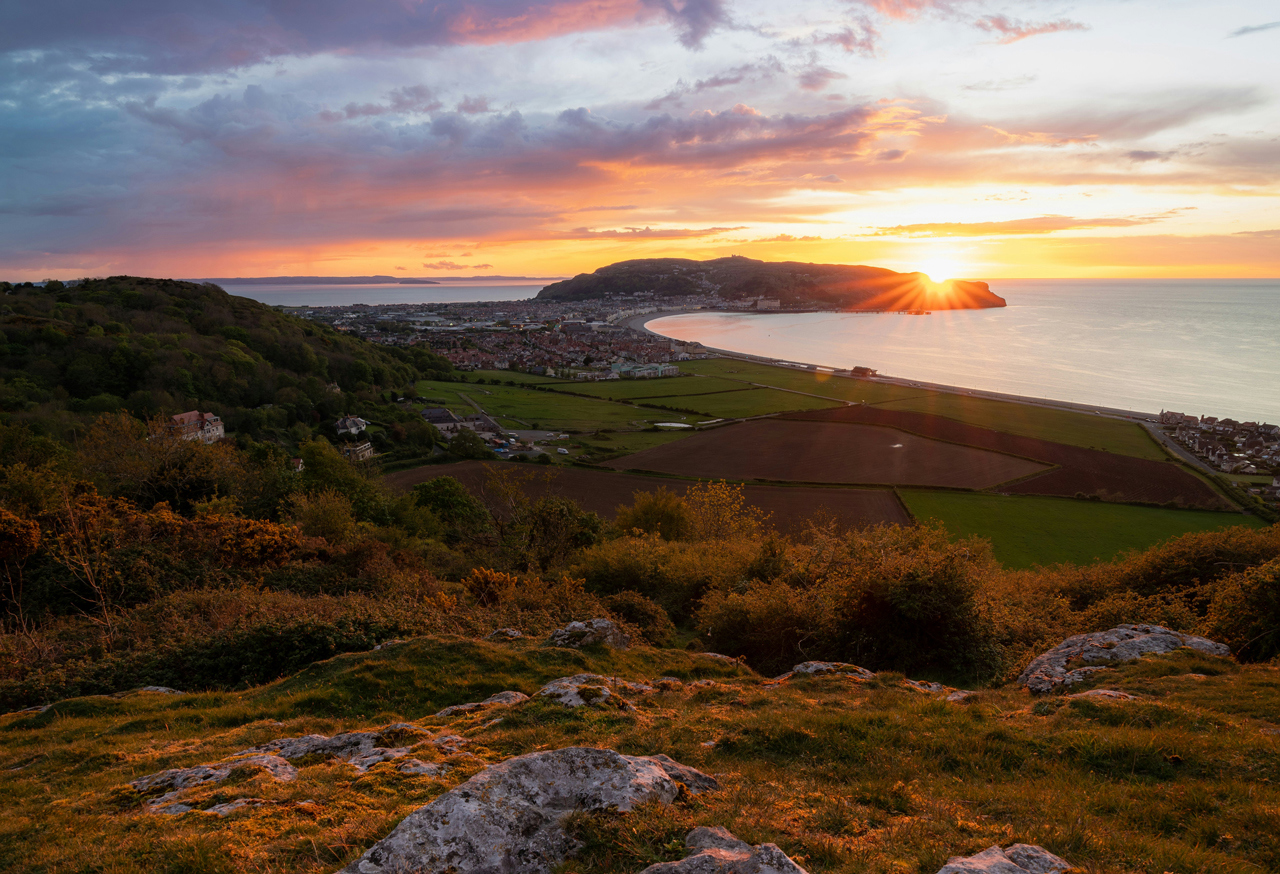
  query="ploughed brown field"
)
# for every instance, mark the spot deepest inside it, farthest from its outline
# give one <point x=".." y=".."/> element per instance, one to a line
<point x="823" y="452"/>
<point x="604" y="491"/>
<point x="1078" y="471"/>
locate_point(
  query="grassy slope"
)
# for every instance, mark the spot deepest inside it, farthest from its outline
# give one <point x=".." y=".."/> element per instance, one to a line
<point x="846" y="777"/>
<point x="1077" y="429"/>
<point x="1028" y="531"/>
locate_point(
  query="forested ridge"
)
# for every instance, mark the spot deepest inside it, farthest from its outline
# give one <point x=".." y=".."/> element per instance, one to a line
<point x="162" y="346"/>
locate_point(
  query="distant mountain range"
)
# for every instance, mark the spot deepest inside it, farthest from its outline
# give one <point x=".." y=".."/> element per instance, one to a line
<point x="790" y="282"/>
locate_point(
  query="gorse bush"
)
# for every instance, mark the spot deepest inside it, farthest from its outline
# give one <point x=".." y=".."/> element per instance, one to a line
<point x="887" y="598"/>
<point x="1245" y="612"/>
<point x="645" y="614"/>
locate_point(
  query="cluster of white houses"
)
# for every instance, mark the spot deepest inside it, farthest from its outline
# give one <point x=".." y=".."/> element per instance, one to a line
<point x="1230" y="446"/>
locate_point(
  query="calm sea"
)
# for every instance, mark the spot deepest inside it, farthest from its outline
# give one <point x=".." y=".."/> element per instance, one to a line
<point x="346" y="295"/>
<point x="1203" y="347"/>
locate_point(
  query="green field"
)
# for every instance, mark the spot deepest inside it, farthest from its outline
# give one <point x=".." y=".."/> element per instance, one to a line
<point x="1061" y="426"/>
<point x="738" y="404"/>
<point x="650" y="388"/>
<point x="515" y="376"/>
<point x="626" y="442"/>
<point x="548" y="409"/>
<point x="1029" y="531"/>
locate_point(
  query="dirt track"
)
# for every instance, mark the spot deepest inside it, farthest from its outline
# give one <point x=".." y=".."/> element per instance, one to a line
<point x="1080" y="471"/>
<point x="603" y="491"/>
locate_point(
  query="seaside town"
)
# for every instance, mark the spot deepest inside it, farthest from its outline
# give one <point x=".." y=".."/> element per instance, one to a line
<point x="1237" y="448"/>
<point x="588" y="340"/>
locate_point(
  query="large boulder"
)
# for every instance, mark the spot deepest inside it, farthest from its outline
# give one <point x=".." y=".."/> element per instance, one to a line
<point x="1018" y="859"/>
<point x="1077" y="657"/>
<point x="716" y="851"/>
<point x="583" y="689"/>
<point x="593" y="631"/>
<point x="508" y="817"/>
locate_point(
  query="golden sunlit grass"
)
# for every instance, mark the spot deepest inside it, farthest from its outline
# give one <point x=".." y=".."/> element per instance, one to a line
<point x="844" y="776"/>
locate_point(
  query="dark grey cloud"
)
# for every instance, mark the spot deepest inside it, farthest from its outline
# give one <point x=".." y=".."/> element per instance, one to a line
<point x="1254" y="28"/>
<point x="695" y="19"/>
<point x="200" y="36"/>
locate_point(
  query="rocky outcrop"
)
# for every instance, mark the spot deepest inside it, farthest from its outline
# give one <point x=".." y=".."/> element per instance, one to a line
<point x="1018" y="859"/>
<point x="583" y="689"/>
<point x="166" y="786"/>
<point x="716" y="851"/>
<point x="1077" y="657"/>
<point x="504" y="634"/>
<point x="508" y="817"/>
<point x="822" y="669"/>
<point x="593" y="631"/>
<point x="361" y="749"/>
<point x="501" y="699"/>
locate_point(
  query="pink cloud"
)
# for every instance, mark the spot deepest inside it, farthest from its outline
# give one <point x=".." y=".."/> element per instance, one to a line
<point x="1010" y="30"/>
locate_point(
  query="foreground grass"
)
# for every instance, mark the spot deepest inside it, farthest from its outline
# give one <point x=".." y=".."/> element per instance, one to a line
<point x="1062" y="426"/>
<point x="1026" y="531"/>
<point x="846" y="777"/>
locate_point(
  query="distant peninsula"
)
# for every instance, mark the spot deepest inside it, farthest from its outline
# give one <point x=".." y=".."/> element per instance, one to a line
<point x="322" y="280"/>
<point x="791" y="283"/>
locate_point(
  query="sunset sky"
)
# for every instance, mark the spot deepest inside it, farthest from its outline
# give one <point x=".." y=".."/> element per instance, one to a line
<point x="197" y="138"/>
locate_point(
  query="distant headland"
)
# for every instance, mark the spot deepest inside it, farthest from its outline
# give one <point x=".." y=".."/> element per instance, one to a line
<point x="789" y="283"/>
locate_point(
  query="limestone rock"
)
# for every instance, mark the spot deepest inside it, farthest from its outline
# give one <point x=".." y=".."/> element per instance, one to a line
<point x="582" y="689"/>
<point x="504" y="634"/>
<point x="716" y="851"/>
<point x="508" y="817"/>
<point x="161" y="690"/>
<point x="501" y="699"/>
<point x="1018" y="859"/>
<point x="721" y="657"/>
<point x="593" y="631"/>
<point x="960" y="696"/>
<point x="171" y="783"/>
<point x="822" y="669"/>
<point x="362" y="749"/>
<point x="387" y="644"/>
<point x="1120" y="644"/>
<point x="926" y="686"/>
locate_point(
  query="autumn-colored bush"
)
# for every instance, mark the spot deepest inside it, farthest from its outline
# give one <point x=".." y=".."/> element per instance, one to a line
<point x="660" y="512"/>
<point x="890" y="598"/>
<point x="645" y="614"/>
<point x="676" y="575"/>
<point x="1245" y="612"/>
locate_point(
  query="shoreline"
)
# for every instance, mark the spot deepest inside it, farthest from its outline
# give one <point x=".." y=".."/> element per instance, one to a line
<point x="1149" y="421"/>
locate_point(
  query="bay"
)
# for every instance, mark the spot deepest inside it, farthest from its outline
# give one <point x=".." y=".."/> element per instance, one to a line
<point x="1202" y="347"/>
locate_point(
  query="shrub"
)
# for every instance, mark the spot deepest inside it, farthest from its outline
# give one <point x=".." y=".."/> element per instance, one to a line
<point x="1245" y="613"/>
<point x="675" y="575"/>
<point x="662" y="512"/>
<point x="646" y="615"/>
<point x="490" y="587"/>
<point x="899" y="598"/>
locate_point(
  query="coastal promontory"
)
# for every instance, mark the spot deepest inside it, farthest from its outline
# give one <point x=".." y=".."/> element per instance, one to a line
<point x="791" y="283"/>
